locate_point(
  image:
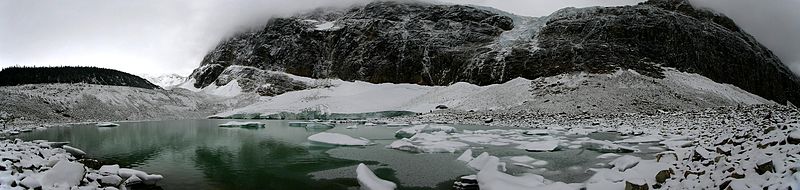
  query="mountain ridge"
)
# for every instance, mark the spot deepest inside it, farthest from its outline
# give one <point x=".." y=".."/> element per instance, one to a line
<point x="429" y="44"/>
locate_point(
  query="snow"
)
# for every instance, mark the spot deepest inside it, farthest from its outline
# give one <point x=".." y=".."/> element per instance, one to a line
<point x="167" y="81"/>
<point x="337" y="139"/>
<point x="369" y="181"/>
<point x="364" y="97"/>
<point x="625" y="162"/>
<point x="540" y="146"/>
<point x="324" y="26"/>
<point x="228" y="90"/>
<point x="64" y="174"/>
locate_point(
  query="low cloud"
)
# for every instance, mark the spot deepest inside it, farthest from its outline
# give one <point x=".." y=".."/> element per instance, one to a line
<point x="143" y="36"/>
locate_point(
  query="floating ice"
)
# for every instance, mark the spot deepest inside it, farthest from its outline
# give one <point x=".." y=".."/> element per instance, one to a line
<point x="368" y="181"/>
<point x="248" y="124"/>
<point x="337" y="139"/>
<point x="106" y="124"/>
<point x="539" y="146"/>
<point x="411" y="131"/>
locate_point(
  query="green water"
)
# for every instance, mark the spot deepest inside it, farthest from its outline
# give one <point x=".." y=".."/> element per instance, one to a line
<point x="196" y="154"/>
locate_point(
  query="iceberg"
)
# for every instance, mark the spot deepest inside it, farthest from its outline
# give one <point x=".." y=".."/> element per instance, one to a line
<point x="411" y="131"/>
<point x="369" y="181"/>
<point x="250" y="124"/>
<point x="337" y="139"/>
<point x="540" y="146"/>
<point x="106" y="124"/>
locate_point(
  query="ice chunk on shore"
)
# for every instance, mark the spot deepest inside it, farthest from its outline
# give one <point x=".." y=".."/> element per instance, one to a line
<point x="540" y="146"/>
<point x="106" y="124"/>
<point x="248" y="124"/>
<point x="337" y="139"/>
<point x="489" y="178"/>
<point x="411" y="131"/>
<point x="64" y="174"/>
<point x="74" y="151"/>
<point x="625" y="162"/>
<point x="607" y="147"/>
<point x="368" y="181"/>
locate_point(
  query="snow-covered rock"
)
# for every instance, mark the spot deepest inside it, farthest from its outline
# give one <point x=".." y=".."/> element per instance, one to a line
<point x="369" y="181"/>
<point x="338" y="139"/>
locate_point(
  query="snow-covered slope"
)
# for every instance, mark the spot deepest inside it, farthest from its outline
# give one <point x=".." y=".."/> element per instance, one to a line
<point x="625" y="91"/>
<point x="85" y="102"/>
<point x="167" y="81"/>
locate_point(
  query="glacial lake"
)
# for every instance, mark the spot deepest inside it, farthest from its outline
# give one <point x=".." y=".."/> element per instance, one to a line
<point x="197" y="154"/>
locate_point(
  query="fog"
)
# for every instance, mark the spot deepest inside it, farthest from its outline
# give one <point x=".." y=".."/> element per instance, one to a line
<point x="172" y="36"/>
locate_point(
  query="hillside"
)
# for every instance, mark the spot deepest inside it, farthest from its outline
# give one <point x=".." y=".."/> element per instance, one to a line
<point x="14" y="76"/>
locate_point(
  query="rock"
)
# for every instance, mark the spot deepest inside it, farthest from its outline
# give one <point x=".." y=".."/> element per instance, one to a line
<point x="468" y="182"/>
<point x="111" y="180"/>
<point x="31" y="182"/>
<point x="765" y="167"/>
<point x="63" y="174"/>
<point x="636" y="184"/>
<point x="668" y="156"/>
<point x="441" y="107"/>
<point x="132" y="180"/>
<point x="793" y="137"/>
<point x="109" y="169"/>
<point x="663" y="175"/>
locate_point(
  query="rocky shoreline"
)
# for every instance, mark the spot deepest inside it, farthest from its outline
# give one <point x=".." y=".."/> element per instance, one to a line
<point x="41" y="164"/>
<point x="744" y="147"/>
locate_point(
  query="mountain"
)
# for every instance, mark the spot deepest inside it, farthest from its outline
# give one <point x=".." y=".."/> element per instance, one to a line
<point x="430" y="44"/>
<point x="14" y="76"/>
<point x="167" y="81"/>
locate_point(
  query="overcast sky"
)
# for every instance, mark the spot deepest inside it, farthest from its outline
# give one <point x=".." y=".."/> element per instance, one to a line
<point x="172" y="36"/>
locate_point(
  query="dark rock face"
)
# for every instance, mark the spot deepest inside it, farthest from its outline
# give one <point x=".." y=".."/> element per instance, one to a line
<point x="439" y="44"/>
<point x="380" y="42"/>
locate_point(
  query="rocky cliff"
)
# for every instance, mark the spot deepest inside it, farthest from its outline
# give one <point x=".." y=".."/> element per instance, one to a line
<point x="411" y="42"/>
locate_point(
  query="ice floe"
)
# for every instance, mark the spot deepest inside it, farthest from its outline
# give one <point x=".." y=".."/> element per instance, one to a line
<point x="338" y="139"/>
